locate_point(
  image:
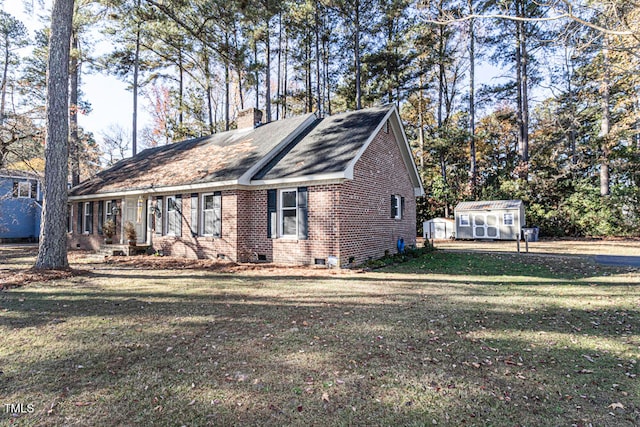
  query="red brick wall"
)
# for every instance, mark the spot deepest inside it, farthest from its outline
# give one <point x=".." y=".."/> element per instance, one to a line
<point x="366" y="227"/>
<point x="78" y="240"/>
<point x="201" y="247"/>
<point x="322" y="243"/>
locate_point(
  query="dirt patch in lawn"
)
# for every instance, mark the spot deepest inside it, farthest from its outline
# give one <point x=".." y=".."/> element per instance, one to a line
<point x="584" y="247"/>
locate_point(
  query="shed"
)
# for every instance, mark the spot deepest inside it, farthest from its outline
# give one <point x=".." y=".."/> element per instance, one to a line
<point x="438" y="228"/>
<point x="490" y="219"/>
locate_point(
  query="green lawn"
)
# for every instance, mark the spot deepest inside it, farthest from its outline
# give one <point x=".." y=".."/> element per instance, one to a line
<point x="446" y="339"/>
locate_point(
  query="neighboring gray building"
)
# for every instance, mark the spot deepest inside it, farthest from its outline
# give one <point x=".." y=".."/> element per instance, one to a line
<point x="490" y="219"/>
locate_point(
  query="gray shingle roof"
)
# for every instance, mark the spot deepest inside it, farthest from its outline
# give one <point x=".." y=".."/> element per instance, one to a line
<point x="489" y="204"/>
<point x="298" y="147"/>
<point x="220" y="157"/>
<point x="328" y="146"/>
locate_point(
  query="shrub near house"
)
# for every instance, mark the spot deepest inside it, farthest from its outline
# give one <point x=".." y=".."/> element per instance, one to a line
<point x="295" y="191"/>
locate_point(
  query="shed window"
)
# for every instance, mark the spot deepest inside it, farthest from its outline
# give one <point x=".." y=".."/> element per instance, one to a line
<point x="464" y="220"/>
<point x="507" y="218"/>
<point x="211" y="214"/>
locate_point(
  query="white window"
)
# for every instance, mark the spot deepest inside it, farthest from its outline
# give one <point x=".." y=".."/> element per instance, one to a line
<point x="507" y="218"/>
<point x="464" y="220"/>
<point x="174" y="216"/>
<point x="289" y="213"/>
<point x="211" y="217"/>
<point x="24" y="190"/>
<point x="87" y="222"/>
<point x="108" y="210"/>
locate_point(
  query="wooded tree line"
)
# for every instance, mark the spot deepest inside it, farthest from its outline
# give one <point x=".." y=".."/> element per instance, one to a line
<point x="558" y="128"/>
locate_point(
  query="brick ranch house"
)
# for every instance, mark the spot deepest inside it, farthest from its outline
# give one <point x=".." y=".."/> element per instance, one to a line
<point x="294" y="191"/>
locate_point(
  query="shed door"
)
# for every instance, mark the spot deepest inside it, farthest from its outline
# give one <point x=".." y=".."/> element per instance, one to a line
<point x="485" y="226"/>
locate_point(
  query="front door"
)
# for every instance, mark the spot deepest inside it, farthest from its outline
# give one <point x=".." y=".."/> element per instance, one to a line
<point x="135" y="210"/>
<point x="485" y="226"/>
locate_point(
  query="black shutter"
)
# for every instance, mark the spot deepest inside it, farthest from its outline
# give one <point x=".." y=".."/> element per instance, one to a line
<point x="394" y="207"/>
<point x="272" y="213"/>
<point x="217" y="206"/>
<point x="100" y="215"/>
<point x="401" y="207"/>
<point x="90" y="219"/>
<point x="34" y="190"/>
<point x="79" y="219"/>
<point x="194" y="214"/>
<point x="303" y="213"/>
<point x="159" y="210"/>
<point x="15" y="188"/>
<point x="179" y="210"/>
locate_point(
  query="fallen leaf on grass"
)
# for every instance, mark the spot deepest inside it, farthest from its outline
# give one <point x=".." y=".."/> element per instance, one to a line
<point x="325" y="397"/>
<point x="616" y="405"/>
<point x="83" y="403"/>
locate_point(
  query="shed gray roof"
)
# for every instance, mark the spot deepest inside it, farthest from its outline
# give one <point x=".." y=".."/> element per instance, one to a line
<point x="489" y="204"/>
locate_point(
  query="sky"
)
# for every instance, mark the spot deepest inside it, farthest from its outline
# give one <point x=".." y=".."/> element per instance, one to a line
<point x="110" y="100"/>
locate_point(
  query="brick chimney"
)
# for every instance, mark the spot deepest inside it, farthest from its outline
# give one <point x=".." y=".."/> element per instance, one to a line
<point x="249" y="118"/>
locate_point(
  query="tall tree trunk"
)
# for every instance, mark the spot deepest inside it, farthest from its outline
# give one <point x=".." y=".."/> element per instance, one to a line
<point x="227" y="90"/>
<point x="267" y="73"/>
<point x="525" y="92"/>
<point x="279" y="73"/>
<point x="317" y="34"/>
<point x="358" y="62"/>
<point x="518" y="58"/>
<point x="286" y="76"/>
<point x="136" y="70"/>
<point x="309" y="89"/>
<point x="180" y="92"/>
<point x="257" y="74"/>
<point x="209" y="89"/>
<point x="605" y="126"/>
<point x="74" y="139"/>
<point x="472" y="106"/>
<point x="52" y="252"/>
<point x="3" y="85"/>
<point x="421" y="121"/>
<point x="327" y="78"/>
